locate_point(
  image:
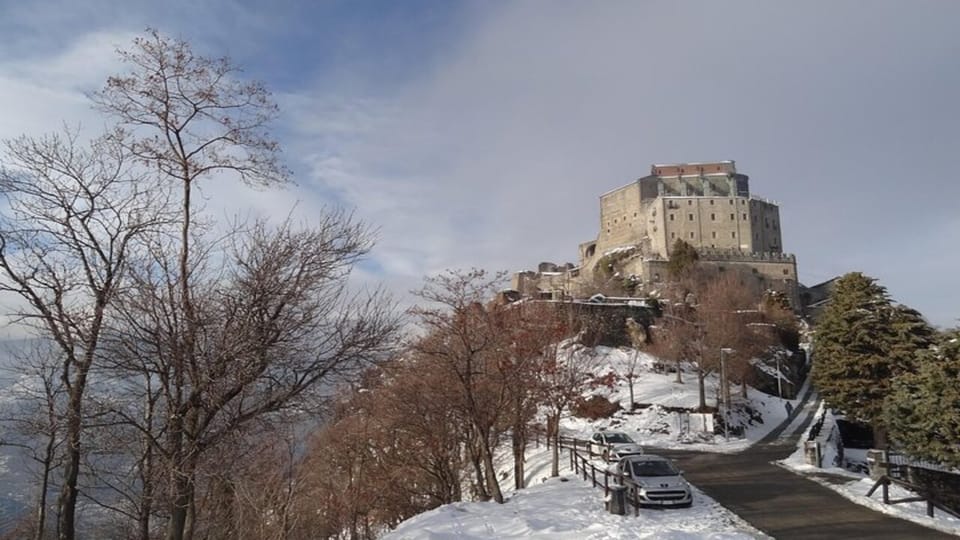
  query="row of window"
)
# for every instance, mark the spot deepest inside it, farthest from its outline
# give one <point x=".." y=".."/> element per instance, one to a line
<point x="742" y="202"/>
<point x="713" y="217"/>
<point x="713" y="233"/>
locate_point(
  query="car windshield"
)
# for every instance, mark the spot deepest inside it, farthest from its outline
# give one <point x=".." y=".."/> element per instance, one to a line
<point x="653" y="468"/>
<point x="618" y="438"/>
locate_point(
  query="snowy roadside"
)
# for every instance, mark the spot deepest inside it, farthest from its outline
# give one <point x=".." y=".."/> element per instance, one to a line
<point x="568" y="508"/>
<point x="857" y="486"/>
<point x="657" y="427"/>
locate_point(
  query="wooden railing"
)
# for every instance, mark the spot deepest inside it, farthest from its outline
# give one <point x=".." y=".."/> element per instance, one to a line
<point x="582" y="465"/>
<point x="933" y="483"/>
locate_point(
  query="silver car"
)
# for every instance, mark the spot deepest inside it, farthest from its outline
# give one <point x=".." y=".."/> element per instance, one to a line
<point x="658" y="481"/>
<point x="613" y="445"/>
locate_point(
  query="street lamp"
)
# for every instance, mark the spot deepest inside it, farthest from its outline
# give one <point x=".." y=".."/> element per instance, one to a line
<point x="725" y="390"/>
<point x="779" y="383"/>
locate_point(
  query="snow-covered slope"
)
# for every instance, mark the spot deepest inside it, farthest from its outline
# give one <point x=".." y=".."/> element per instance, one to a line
<point x="656" y="426"/>
<point x="568" y="508"/>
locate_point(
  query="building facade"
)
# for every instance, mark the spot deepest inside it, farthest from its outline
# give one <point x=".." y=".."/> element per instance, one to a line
<point x="707" y="205"/>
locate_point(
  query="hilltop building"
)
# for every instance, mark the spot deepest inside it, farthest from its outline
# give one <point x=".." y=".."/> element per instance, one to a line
<point x="708" y="205"/>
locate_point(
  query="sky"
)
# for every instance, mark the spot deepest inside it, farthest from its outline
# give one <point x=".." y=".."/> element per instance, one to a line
<point x="481" y="134"/>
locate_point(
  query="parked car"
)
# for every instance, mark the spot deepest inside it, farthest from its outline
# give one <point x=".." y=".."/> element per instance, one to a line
<point x="613" y="445"/>
<point x="658" y="481"/>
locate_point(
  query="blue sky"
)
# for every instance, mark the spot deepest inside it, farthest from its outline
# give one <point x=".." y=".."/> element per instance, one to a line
<point x="482" y="133"/>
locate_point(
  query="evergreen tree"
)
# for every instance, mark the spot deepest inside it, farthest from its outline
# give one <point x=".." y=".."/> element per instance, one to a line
<point x="683" y="257"/>
<point x="923" y="408"/>
<point x="861" y="344"/>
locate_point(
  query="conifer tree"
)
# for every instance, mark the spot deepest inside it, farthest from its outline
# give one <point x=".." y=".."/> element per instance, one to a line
<point x="923" y="408"/>
<point x="683" y="257"/>
<point x="862" y="342"/>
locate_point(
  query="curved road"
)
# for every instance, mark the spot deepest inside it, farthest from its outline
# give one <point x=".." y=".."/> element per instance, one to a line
<point x="782" y="504"/>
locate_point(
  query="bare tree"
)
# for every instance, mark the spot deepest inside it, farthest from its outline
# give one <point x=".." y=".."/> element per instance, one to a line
<point x="530" y="331"/>
<point x="74" y="216"/>
<point x="276" y="329"/>
<point x="567" y="370"/>
<point x="34" y="419"/>
<point x="463" y="340"/>
<point x="631" y="369"/>
<point x="729" y="312"/>
<point x="190" y="117"/>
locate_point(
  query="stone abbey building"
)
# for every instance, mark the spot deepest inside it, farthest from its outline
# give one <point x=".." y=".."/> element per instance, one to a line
<point x="707" y="205"/>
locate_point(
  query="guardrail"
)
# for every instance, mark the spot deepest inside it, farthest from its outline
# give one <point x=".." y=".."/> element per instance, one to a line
<point x="934" y="484"/>
<point x="583" y="466"/>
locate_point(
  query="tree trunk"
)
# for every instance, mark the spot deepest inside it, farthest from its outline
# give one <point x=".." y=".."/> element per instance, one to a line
<point x="553" y="434"/>
<point x="482" y="493"/>
<point x="519" y="441"/>
<point x="492" y="484"/>
<point x="184" y="468"/>
<point x="67" y="503"/>
<point x="630" y="382"/>
<point x="181" y="506"/>
<point x="679" y="374"/>
<point x="518" y="472"/>
<point x="880" y="436"/>
<point x="44" y="483"/>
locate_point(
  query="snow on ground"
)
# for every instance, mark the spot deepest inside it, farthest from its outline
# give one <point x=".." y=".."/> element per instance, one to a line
<point x="655" y="426"/>
<point x="857" y="485"/>
<point x="567" y="508"/>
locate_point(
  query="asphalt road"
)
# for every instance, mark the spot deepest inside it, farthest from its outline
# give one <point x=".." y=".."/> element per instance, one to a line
<point x="783" y="504"/>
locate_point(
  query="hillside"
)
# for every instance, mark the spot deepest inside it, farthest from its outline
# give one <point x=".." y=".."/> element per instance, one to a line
<point x="569" y="508"/>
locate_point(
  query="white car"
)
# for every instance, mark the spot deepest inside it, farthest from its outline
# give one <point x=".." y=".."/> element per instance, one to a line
<point x="658" y="481"/>
<point x="614" y="445"/>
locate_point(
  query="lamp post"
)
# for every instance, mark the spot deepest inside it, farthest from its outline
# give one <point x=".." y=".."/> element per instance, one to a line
<point x="779" y="383"/>
<point x="725" y="391"/>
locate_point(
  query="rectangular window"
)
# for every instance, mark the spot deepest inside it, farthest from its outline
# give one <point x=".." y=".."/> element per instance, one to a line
<point x="714" y="234"/>
<point x="713" y="217"/>
<point x="673" y="235"/>
<point x="691" y="235"/>
<point x="733" y="235"/>
<point x="711" y="202"/>
<point x="732" y="217"/>
<point x="744" y="217"/>
<point x="689" y="217"/>
<point x="689" y="203"/>
<point x="671" y="217"/>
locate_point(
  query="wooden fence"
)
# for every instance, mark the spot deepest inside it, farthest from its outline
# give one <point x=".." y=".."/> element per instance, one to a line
<point x="582" y="465"/>
<point x="934" y="484"/>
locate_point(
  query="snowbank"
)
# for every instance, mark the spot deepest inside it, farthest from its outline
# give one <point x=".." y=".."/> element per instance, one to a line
<point x="568" y="508"/>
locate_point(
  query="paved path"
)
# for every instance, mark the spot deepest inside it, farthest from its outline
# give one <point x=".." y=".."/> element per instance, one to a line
<point x="781" y="503"/>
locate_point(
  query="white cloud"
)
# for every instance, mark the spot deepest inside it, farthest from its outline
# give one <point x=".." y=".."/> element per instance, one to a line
<point x="497" y="158"/>
<point x="43" y="93"/>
